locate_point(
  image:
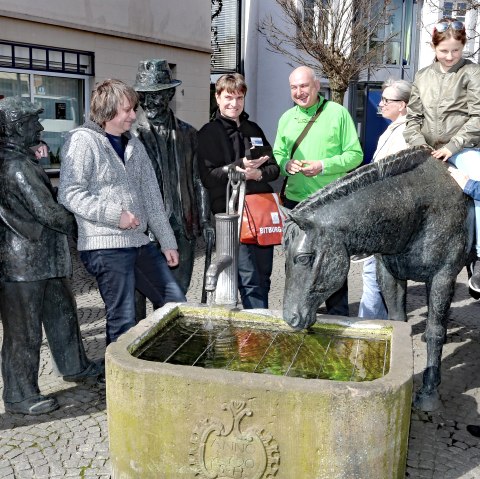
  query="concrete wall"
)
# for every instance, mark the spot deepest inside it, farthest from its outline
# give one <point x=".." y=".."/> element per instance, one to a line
<point x="185" y="24"/>
<point x="180" y="34"/>
<point x="266" y="72"/>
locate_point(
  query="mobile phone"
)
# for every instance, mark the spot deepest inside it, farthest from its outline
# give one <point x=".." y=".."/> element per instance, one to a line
<point x="259" y="151"/>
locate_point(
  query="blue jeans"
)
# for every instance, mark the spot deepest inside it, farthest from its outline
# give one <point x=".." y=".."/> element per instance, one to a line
<point x="254" y="271"/>
<point x="372" y="305"/>
<point x="468" y="161"/>
<point x="119" y="272"/>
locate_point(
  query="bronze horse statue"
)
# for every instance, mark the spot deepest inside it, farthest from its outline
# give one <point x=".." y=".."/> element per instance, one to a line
<point x="408" y="211"/>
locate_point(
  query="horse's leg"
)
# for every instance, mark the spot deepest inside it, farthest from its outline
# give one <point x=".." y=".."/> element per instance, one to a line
<point x="394" y="292"/>
<point x="441" y="290"/>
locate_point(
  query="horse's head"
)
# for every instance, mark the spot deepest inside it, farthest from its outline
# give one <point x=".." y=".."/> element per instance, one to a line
<point x="316" y="265"/>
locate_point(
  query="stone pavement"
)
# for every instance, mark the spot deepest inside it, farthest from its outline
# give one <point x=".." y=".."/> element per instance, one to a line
<point x="73" y="441"/>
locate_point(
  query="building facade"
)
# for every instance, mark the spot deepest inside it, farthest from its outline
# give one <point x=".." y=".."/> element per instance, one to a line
<point x="55" y="51"/>
<point x="410" y="24"/>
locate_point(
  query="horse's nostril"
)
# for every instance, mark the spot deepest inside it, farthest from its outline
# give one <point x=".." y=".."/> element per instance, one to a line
<point x="293" y="320"/>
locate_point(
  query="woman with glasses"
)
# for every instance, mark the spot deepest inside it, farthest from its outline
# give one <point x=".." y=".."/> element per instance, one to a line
<point x="444" y="110"/>
<point x="393" y="106"/>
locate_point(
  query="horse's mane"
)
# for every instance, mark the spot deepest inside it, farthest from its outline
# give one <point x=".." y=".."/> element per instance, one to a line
<point x="392" y="165"/>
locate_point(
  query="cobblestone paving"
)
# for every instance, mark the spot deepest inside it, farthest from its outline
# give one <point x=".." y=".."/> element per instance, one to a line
<point x="73" y="441"/>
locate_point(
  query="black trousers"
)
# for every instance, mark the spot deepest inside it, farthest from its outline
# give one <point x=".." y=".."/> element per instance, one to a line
<point x="24" y="308"/>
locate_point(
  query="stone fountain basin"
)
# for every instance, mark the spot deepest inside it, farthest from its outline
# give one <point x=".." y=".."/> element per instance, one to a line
<point x="173" y="421"/>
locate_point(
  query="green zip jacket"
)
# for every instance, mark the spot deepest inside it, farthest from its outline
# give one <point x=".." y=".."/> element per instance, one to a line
<point x="332" y="138"/>
<point x="444" y="108"/>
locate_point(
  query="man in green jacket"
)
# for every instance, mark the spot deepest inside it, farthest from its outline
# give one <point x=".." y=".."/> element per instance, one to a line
<point x="328" y="151"/>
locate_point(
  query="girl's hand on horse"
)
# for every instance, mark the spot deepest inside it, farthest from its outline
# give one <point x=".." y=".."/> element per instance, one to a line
<point x="442" y="154"/>
<point x="458" y="176"/>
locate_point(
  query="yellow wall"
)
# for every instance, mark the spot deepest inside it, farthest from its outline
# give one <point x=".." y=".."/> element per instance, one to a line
<point x="180" y="35"/>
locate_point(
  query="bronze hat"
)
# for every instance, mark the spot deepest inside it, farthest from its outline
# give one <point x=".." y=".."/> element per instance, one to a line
<point x="15" y="108"/>
<point x="154" y="75"/>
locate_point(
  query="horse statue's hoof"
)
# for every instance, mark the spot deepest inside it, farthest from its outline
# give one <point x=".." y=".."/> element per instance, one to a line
<point x="474" y="294"/>
<point x="427" y="402"/>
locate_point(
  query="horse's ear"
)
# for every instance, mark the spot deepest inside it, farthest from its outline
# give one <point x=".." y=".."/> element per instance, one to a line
<point x="301" y="220"/>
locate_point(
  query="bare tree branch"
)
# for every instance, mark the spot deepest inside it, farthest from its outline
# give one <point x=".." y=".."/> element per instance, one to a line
<point x="338" y="39"/>
<point x="468" y="9"/>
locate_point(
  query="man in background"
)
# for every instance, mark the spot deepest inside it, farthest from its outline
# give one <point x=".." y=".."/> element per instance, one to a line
<point x="328" y="151"/>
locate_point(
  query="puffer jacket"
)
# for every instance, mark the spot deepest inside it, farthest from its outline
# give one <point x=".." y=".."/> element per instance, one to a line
<point x="96" y="187"/>
<point x="444" y="108"/>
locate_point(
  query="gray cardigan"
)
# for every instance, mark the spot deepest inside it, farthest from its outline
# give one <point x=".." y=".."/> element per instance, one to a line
<point x="96" y="186"/>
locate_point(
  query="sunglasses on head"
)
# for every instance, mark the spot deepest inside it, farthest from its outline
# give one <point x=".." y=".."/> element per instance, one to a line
<point x="444" y="26"/>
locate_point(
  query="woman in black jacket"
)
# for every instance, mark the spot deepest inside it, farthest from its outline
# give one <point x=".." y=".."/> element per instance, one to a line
<point x="225" y="141"/>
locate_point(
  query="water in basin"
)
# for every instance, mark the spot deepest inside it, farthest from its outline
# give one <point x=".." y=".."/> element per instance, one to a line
<point x="314" y="354"/>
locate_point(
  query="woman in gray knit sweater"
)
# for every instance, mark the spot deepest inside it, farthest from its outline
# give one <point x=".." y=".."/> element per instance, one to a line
<point x="108" y="182"/>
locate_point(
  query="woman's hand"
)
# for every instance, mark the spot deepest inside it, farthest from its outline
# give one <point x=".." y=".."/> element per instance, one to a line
<point x="172" y="257"/>
<point x="128" y="221"/>
<point x="257" y="163"/>
<point x="442" y="154"/>
<point x="251" y="173"/>
<point x="458" y="176"/>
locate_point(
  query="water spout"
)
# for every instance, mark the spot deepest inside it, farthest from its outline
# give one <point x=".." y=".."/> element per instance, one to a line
<point x="214" y="271"/>
<point x="222" y="274"/>
<point x="221" y="278"/>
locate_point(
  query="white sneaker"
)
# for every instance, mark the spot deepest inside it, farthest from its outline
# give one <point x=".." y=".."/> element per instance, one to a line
<point x="359" y="258"/>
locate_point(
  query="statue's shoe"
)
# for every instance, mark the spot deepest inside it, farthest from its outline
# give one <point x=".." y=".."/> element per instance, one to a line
<point x="474" y="430"/>
<point x="33" y="406"/>
<point x="93" y="374"/>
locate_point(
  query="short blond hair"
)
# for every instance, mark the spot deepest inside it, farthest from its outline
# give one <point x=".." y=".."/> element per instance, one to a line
<point x="107" y="98"/>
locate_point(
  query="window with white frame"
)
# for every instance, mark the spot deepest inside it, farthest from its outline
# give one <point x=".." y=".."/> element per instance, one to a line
<point x="456" y="10"/>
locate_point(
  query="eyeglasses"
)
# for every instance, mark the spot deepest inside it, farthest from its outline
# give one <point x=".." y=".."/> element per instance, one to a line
<point x="386" y="101"/>
<point x="444" y="26"/>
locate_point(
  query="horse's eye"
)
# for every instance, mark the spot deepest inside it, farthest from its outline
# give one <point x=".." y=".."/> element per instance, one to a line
<point x="305" y="259"/>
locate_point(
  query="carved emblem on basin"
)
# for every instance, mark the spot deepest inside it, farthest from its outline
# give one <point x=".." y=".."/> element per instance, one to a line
<point x="220" y="453"/>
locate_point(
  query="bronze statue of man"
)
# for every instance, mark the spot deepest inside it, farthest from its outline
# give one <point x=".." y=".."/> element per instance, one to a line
<point x="35" y="264"/>
<point x="171" y="145"/>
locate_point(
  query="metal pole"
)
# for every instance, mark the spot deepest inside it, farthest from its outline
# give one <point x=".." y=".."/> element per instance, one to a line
<point x="227" y="245"/>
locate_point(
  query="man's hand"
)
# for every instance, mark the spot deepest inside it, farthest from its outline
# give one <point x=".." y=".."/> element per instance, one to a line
<point x="128" y="221"/>
<point x="312" y="168"/>
<point x="458" y="176"/>
<point x="172" y="257"/>
<point x="293" y="166"/>
<point x="442" y="154"/>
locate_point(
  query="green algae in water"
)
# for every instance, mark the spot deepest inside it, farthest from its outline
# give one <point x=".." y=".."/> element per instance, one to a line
<point x="305" y="354"/>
